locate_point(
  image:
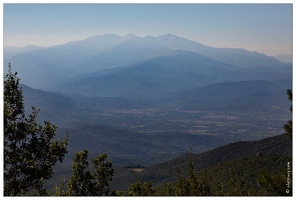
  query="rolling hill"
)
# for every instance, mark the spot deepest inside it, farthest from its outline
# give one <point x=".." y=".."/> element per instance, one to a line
<point x="271" y="149"/>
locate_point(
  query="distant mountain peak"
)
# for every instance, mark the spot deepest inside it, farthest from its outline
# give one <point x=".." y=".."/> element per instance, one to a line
<point x="172" y="36"/>
<point x="130" y="35"/>
<point x="167" y="35"/>
<point x="95" y="37"/>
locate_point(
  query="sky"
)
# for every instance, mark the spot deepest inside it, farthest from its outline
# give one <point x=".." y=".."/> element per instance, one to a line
<point x="265" y="28"/>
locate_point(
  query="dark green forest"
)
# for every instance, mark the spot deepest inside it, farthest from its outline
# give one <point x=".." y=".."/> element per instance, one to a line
<point x="32" y="150"/>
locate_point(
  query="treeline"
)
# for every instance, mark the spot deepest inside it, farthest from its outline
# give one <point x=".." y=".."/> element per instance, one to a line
<point x="31" y="150"/>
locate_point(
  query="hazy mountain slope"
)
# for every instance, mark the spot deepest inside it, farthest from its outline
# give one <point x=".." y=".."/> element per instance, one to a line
<point x="64" y="57"/>
<point x="56" y="108"/>
<point x="12" y="51"/>
<point x="58" y="63"/>
<point x="96" y="104"/>
<point x="98" y="52"/>
<point x="73" y="110"/>
<point x="244" y="58"/>
<point x="130" y="51"/>
<point x="284" y="58"/>
<point x="155" y="77"/>
<point x="233" y="56"/>
<point x="255" y="95"/>
<point x="69" y="54"/>
<point x="34" y="72"/>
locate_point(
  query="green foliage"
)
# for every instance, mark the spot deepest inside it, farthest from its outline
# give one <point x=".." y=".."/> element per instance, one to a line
<point x="141" y="189"/>
<point x="236" y="187"/>
<point x="239" y="156"/>
<point x="195" y="185"/>
<point x="244" y="173"/>
<point x="230" y="178"/>
<point x="277" y="184"/>
<point x="168" y="190"/>
<point x="182" y="187"/>
<point x="206" y="184"/>
<point x="201" y="184"/>
<point x="30" y="150"/>
<point x="79" y="184"/>
<point x="103" y="175"/>
<point x="289" y="93"/>
<point x="85" y="183"/>
<point x="288" y="125"/>
<point x="60" y="189"/>
<point x="280" y="183"/>
<point x="288" y="128"/>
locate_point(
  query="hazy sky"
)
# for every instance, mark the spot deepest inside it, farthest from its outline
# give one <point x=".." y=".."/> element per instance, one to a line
<point x="265" y="28"/>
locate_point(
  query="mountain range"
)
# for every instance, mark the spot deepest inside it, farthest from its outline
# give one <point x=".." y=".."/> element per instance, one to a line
<point x="54" y="67"/>
<point x="108" y="72"/>
<point x="148" y="100"/>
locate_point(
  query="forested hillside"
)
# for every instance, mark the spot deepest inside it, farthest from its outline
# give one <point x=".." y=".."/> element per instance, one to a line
<point x="230" y="158"/>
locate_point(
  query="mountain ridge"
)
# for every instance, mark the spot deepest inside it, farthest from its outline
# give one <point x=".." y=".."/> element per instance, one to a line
<point x="110" y="50"/>
<point x="159" y="76"/>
